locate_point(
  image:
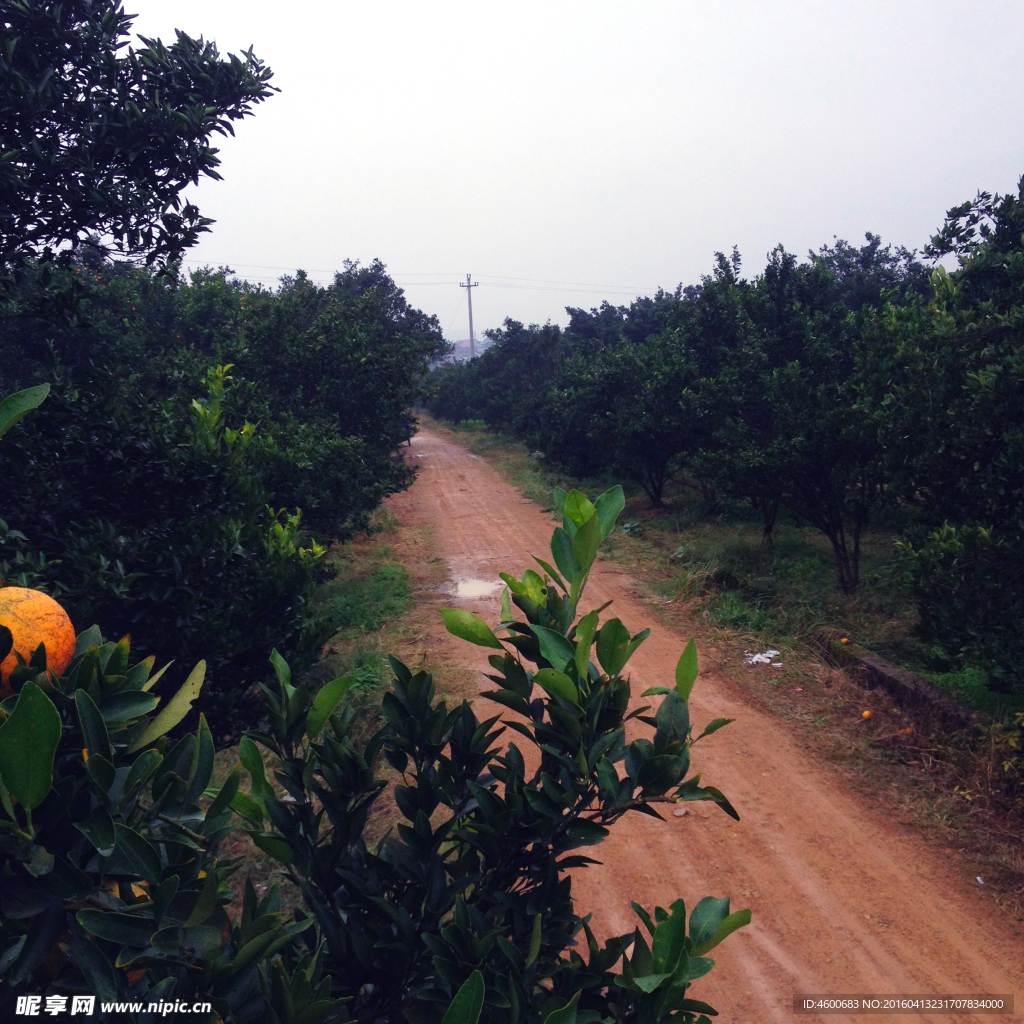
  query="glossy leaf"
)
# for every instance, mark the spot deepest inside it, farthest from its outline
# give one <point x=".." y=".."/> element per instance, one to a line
<point x="468" y="1002"/>
<point x="28" y="743"/>
<point x="327" y="699"/>
<point x="90" y="721"/>
<point x="609" y="507"/>
<point x="686" y="670"/>
<point x="554" y="647"/>
<point x="565" y="1014"/>
<point x="98" y="828"/>
<point x="586" y="629"/>
<point x="177" y="708"/>
<point x="557" y="683"/>
<point x="20" y="404"/>
<point x="467" y="626"/>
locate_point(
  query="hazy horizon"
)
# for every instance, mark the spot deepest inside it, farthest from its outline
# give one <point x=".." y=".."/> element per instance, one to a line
<point x="571" y="153"/>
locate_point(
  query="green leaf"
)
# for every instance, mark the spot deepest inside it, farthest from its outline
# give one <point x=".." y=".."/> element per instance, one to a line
<point x="86" y="639"/>
<point x="6" y="642"/>
<point x="577" y="508"/>
<point x="125" y="929"/>
<point x="207" y="902"/>
<point x="561" y="551"/>
<point x="557" y="683"/>
<point x="549" y="569"/>
<point x="20" y="404"/>
<point x="660" y="772"/>
<point x="98" y="828"/>
<point x="248" y="809"/>
<point x="223" y="797"/>
<point x="282" y="671"/>
<point x="686" y="670"/>
<point x="468" y="1002"/>
<point x="585" y="632"/>
<point x="123" y="707"/>
<point x="138" y="852"/>
<point x="202" y="770"/>
<point x="44" y="934"/>
<point x="328" y="697"/>
<point x="609" y="507"/>
<point x="709" y="913"/>
<point x="28" y="744"/>
<point x="612" y="642"/>
<point x="649" y="982"/>
<point x="277" y="848"/>
<point x="586" y="542"/>
<point x="554" y="647"/>
<point x="251" y="757"/>
<point x="95" y="967"/>
<point x="534" y="940"/>
<point x="644" y="916"/>
<point x="94" y="730"/>
<point x="710" y="793"/>
<point x="725" y="928"/>
<point x="142" y="770"/>
<point x="565" y="1014"/>
<point x="467" y="626"/>
<point x="669" y="942"/>
<point x="154" y="679"/>
<point x="177" y="708"/>
<point x="713" y="727"/>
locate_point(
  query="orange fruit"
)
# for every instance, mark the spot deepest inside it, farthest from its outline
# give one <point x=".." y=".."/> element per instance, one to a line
<point x="866" y="714"/>
<point x="34" y="618"/>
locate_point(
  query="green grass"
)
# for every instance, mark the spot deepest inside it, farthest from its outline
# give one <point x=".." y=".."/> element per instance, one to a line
<point x="970" y="688"/>
<point x="370" y="591"/>
<point x="531" y="474"/>
<point x="362" y="603"/>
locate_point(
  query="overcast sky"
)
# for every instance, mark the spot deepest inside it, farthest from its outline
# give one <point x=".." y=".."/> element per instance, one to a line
<point x="568" y="152"/>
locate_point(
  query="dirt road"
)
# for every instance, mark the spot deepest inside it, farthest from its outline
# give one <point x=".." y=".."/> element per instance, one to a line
<point x="843" y="901"/>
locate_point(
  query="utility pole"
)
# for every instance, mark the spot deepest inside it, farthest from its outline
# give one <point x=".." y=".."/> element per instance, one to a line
<point x="469" y="295"/>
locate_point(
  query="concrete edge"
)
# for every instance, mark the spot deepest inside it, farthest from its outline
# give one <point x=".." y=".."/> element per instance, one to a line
<point x="873" y="671"/>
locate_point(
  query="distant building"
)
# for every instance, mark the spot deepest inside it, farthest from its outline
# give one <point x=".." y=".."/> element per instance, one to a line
<point x="461" y="352"/>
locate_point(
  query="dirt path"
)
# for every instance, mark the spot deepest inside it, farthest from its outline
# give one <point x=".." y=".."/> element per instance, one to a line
<point x="842" y="900"/>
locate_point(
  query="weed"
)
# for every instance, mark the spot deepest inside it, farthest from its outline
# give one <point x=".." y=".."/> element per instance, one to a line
<point x="970" y="688"/>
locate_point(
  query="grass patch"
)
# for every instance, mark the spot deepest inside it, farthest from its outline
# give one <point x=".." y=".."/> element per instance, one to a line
<point x="970" y="688"/>
<point x="370" y="593"/>
<point x="365" y="600"/>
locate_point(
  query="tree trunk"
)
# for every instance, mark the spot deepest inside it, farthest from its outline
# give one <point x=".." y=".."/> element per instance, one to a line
<point x="847" y="561"/>
<point x="769" y="512"/>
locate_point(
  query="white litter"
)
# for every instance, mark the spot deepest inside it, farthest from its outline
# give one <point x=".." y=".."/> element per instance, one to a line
<point x="981" y="881"/>
<point x="765" y="658"/>
<point x="682" y="812"/>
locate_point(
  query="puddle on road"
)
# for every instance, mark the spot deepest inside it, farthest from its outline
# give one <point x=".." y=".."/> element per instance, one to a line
<point x="470" y="588"/>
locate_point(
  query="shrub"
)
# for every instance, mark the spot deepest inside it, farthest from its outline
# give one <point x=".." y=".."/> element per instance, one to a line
<point x="152" y="519"/>
<point x="470" y="900"/>
<point x="110" y="883"/>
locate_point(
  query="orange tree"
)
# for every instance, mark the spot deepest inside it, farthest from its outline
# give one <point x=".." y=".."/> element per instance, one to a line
<point x="99" y="141"/>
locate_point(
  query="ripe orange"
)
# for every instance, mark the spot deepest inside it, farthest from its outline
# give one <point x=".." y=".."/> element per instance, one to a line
<point x="34" y="618"/>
